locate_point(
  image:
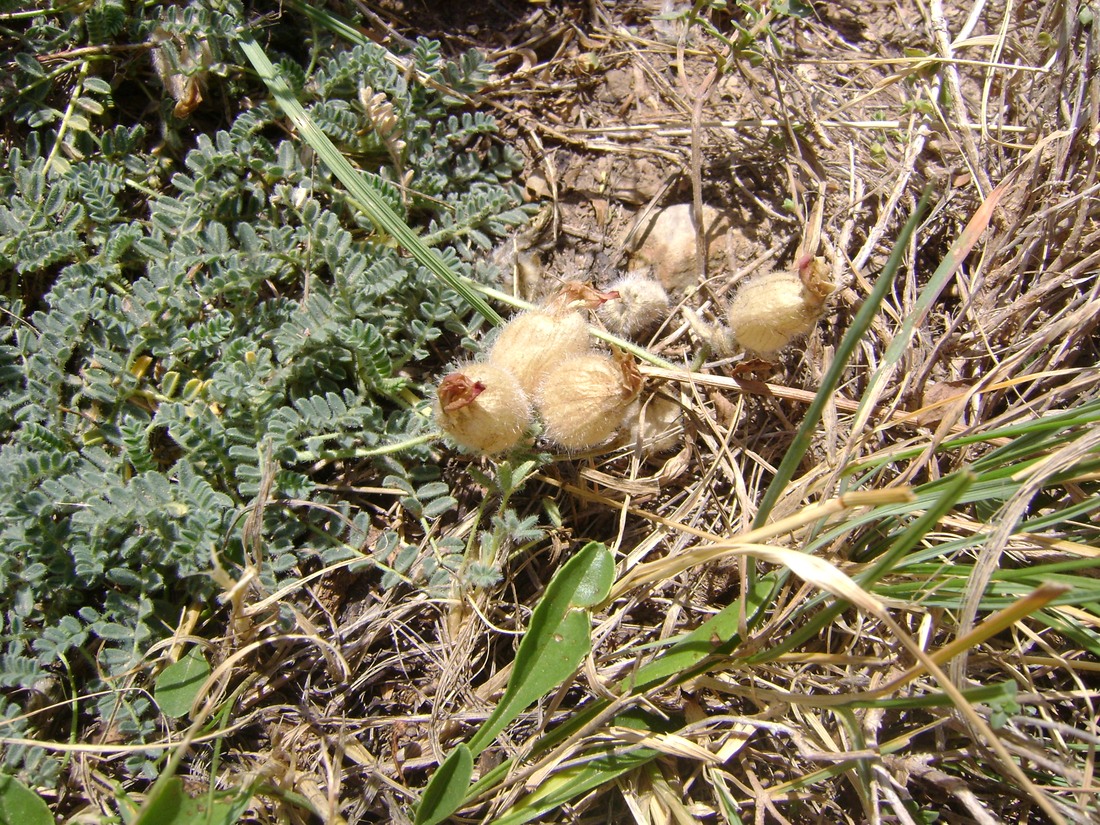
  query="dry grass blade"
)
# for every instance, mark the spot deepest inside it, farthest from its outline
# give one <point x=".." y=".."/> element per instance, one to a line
<point x="748" y="543"/>
<point x="1004" y="757"/>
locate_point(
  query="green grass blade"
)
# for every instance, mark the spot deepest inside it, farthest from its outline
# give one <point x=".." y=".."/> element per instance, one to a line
<point x="572" y="782"/>
<point x="716" y="636"/>
<point x="334" y="23"/>
<point x="829" y="383"/>
<point x="1059" y="424"/>
<point x="915" y="533"/>
<point x="354" y="180"/>
<point x="1000" y="693"/>
<point x="947" y="268"/>
<point x="905" y="542"/>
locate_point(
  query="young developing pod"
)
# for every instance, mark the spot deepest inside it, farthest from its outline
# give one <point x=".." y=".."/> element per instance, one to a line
<point x="658" y="426"/>
<point x="532" y="342"/>
<point x="583" y="400"/>
<point x="769" y="310"/>
<point x="483" y="408"/>
<point x="641" y="305"/>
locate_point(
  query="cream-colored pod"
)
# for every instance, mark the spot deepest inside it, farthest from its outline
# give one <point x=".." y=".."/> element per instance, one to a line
<point x="770" y="310"/>
<point x="658" y="427"/>
<point x="582" y="401"/>
<point x="532" y="342"/>
<point x="483" y="408"/>
<point x="641" y="304"/>
<point x="669" y="239"/>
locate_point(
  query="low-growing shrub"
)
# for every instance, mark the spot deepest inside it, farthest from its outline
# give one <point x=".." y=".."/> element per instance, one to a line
<point x="196" y="315"/>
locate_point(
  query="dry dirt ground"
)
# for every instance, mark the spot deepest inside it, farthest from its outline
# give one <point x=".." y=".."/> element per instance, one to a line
<point x="810" y="136"/>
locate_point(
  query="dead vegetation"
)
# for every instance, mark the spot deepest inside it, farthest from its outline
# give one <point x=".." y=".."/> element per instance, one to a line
<point x="811" y="135"/>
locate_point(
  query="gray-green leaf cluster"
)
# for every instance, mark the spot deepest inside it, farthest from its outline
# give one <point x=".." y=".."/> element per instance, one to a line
<point x="195" y="312"/>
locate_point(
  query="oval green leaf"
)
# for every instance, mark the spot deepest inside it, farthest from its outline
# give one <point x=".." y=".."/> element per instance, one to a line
<point x="447" y="788"/>
<point x="19" y="805"/>
<point x="557" y="639"/>
<point x="178" y="684"/>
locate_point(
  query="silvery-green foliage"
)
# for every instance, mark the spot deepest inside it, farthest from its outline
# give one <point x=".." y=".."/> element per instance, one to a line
<point x="179" y="328"/>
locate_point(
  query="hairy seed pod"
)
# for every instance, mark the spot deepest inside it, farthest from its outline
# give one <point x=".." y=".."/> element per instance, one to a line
<point x="642" y="303"/>
<point x="658" y="427"/>
<point x="583" y="400"/>
<point x="483" y="408"/>
<point x="532" y="342"/>
<point x="769" y="310"/>
<point x="668" y="244"/>
<point x="184" y="77"/>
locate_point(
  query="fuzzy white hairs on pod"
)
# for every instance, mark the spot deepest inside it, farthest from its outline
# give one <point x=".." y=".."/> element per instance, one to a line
<point x="771" y="309"/>
<point x="583" y="401"/>
<point x="483" y="408"/>
<point x="642" y="303"/>
<point x="532" y="342"/>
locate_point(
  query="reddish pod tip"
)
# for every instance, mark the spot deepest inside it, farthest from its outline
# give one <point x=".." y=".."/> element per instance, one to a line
<point x="457" y="390"/>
